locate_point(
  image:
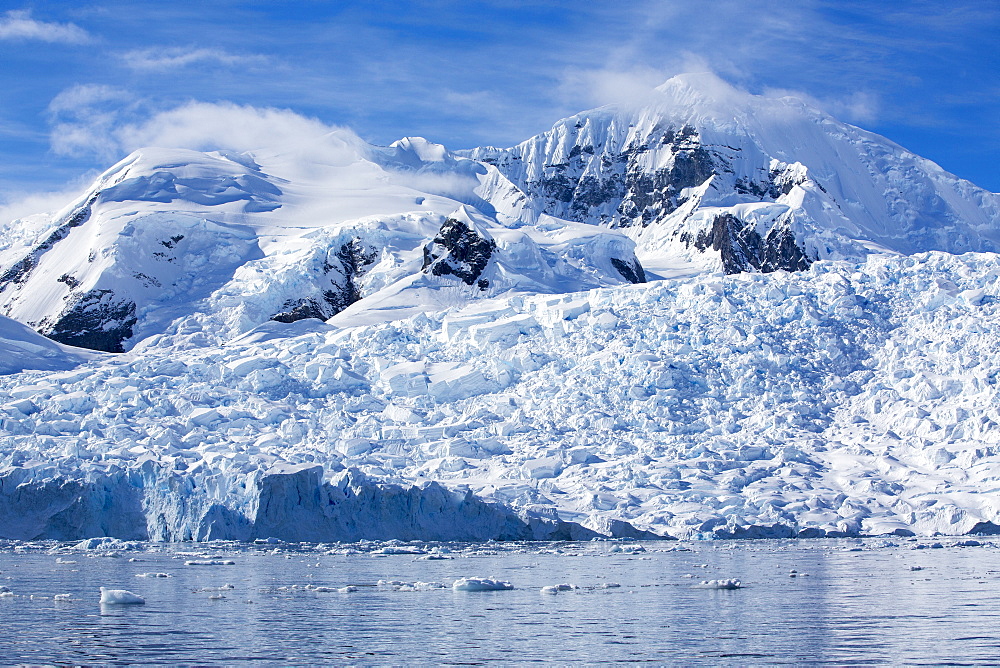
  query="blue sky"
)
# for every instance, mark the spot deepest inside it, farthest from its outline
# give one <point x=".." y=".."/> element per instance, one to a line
<point x="82" y="83"/>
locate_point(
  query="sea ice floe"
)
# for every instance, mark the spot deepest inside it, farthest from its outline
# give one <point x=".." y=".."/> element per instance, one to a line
<point x="225" y="587"/>
<point x="726" y="583"/>
<point x="555" y="589"/>
<point x="153" y="575"/>
<point x="480" y="584"/>
<point x="398" y="585"/>
<point x="391" y="550"/>
<point x="209" y="562"/>
<point x="120" y="597"/>
<point x="62" y="598"/>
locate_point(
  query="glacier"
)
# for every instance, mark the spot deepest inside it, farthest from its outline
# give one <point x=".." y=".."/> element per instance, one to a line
<point x="716" y="316"/>
<point x="850" y="399"/>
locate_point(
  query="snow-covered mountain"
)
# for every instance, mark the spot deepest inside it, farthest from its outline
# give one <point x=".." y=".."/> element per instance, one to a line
<point x="175" y="240"/>
<point x="738" y="182"/>
<point x="348" y="341"/>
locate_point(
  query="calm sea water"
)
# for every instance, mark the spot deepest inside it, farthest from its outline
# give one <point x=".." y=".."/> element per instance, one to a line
<point x="849" y="602"/>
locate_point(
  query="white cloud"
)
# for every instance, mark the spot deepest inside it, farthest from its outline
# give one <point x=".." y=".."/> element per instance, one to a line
<point x="858" y="107"/>
<point x="176" y="57"/>
<point x="109" y="122"/>
<point x="18" y="25"/>
<point x="84" y="120"/>
<point x="636" y="87"/>
<point x="630" y="85"/>
<point x="205" y="126"/>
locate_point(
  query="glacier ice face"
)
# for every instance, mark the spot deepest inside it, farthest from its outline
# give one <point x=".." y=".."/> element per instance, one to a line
<point x="853" y="398"/>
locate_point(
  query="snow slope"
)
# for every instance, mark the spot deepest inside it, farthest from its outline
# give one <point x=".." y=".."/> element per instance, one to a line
<point x="23" y="349"/>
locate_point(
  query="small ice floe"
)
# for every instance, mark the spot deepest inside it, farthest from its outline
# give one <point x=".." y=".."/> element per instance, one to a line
<point x="120" y="597"/>
<point x="480" y="584"/>
<point x="555" y="589"/>
<point x="60" y="560"/>
<point x="347" y="590"/>
<point x="153" y="575"/>
<point x="133" y="560"/>
<point x="392" y="550"/>
<point x="628" y="549"/>
<point x="102" y="543"/>
<point x="916" y="568"/>
<point x="724" y="583"/>
<point x="398" y="585"/>
<point x="433" y="557"/>
<point x="5" y="592"/>
<point x="225" y="587"/>
<point x="62" y="598"/>
<point x="216" y="597"/>
<point x="209" y="562"/>
<point x="968" y="543"/>
<point x="608" y="585"/>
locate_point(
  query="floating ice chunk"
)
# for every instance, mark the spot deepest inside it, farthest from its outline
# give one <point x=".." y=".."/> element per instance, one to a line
<point x="399" y="550"/>
<point x="209" y="562"/>
<point x="120" y="597"/>
<point x="422" y="586"/>
<point x="102" y="543"/>
<point x="398" y="585"/>
<point x="225" y="587"/>
<point x="555" y="589"/>
<point x="62" y="598"/>
<point x="347" y="590"/>
<point x="60" y="560"/>
<point x="153" y="575"/>
<point x="628" y="549"/>
<point x="725" y="583"/>
<point x="480" y="584"/>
